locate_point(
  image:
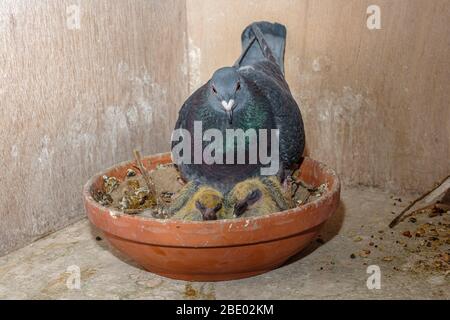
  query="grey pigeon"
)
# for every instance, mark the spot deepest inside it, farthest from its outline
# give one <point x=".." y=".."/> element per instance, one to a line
<point x="253" y="93"/>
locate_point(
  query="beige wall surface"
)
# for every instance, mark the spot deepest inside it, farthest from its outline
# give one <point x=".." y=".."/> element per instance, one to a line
<point x="75" y="101"/>
<point x="375" y="102"/>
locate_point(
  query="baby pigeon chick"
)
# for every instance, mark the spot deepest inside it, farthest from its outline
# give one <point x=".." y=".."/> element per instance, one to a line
<point x="255" y="197"/>
<point x="197" y="203"/>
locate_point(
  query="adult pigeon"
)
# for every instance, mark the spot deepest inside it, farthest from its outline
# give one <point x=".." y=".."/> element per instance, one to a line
<point x="252" y="94"/>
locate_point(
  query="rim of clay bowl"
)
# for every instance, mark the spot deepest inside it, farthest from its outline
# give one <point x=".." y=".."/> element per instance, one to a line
<point x="332" y="190"/>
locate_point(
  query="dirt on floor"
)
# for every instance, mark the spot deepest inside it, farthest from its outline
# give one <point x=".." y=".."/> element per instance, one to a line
<point x="419" y="244"/>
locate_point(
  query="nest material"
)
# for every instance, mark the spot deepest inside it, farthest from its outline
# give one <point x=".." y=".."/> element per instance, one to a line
<point x="131" y="194"/>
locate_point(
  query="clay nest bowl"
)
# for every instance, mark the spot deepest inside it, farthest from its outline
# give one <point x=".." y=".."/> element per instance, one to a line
<point x="214" y="250"/>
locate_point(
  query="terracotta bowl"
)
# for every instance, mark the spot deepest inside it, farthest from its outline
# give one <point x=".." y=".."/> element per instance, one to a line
<point x="214" y="250"/>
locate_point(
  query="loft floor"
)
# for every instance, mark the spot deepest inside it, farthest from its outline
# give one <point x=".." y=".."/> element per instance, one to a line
<point x="325" y="270"/>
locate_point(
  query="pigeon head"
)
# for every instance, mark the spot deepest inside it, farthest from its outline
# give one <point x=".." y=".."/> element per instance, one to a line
<point x="247" y="202"/>
<point x="255" y="197"/>
<point x="209" y="202"/>
<point x="227" y="91"/>
<point x="247" y="195"/>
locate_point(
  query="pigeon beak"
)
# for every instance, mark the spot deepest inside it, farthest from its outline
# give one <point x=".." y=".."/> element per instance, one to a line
<point x="239" y="208"/>
<point x="209" y="214"/>
<point x="230" y="116"/>
<point x="228" y="106"/>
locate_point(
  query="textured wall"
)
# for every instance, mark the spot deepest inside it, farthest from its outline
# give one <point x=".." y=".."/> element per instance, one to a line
<point x="375" y="103"/>
<point x="73" y="102"/>
<point x="76" y="101"/>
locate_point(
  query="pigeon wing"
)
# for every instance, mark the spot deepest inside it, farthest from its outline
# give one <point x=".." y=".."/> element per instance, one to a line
<point x="269" y="81"/>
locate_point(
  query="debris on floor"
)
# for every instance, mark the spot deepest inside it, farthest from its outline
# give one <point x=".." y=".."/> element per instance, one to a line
<point x="421" y="241"/>
<point x="438" y="196"/>
<point x="426" y="232"/>
<point x="428" y="241"/>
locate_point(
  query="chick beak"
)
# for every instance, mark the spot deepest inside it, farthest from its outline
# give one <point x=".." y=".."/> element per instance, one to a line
<point x="228" y="106"/>
<point x="240" y="207"/>
<point x="209" y="214"/>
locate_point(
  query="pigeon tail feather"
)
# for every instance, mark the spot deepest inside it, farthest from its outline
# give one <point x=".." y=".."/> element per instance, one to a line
<point x="270" y="44"/>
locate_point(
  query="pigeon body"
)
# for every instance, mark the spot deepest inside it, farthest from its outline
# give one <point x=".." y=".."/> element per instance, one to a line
<point x="252" y="94"/>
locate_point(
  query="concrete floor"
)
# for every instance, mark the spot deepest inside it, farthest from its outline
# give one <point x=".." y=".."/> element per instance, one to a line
<point x="324" y="271"/>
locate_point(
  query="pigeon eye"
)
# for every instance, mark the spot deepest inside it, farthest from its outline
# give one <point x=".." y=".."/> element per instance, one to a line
<point x="254" y="196"/>
<point x="218" y="207"/>
<point x="214" y="90"/>
<point x="199" y="205"/>
<point x="238" y="86"/>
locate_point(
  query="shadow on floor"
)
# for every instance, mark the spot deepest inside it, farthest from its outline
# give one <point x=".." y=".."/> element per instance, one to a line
<point x="99" y="238"/>
<point x="329" y="230"/>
